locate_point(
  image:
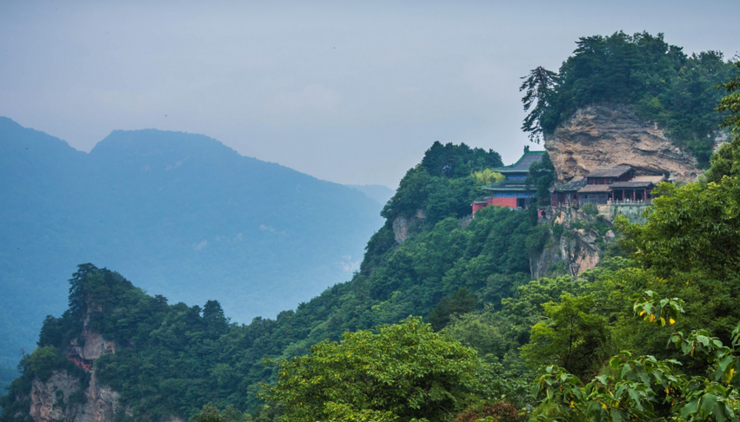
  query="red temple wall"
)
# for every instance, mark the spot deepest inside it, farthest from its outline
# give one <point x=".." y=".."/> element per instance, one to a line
<point x="505" y="202"/>
<point x="477" y="207"/>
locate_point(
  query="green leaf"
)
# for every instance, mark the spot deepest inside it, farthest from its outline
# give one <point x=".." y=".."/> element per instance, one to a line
<point x="615" y="415"/>
<point x="690" y="408"/>
<point x="708" y="402"/>
<point x="724" y="362"/>
<point x="634" y="395"/>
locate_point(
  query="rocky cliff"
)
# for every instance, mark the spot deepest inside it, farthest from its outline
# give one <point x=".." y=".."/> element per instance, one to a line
<point x="54" y="400"/>
<point x="401" y="225"/>
<point x="612" y="135"/>
<point x="577" y="247"/>
<point x="64" y="397"/>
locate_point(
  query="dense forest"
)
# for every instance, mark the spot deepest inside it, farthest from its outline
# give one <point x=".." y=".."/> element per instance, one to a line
<point x="447" y="325"/>
<point x="659" y="81"/>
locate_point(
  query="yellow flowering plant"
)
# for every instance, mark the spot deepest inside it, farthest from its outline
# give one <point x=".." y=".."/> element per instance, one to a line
<point x="648" y="389"/>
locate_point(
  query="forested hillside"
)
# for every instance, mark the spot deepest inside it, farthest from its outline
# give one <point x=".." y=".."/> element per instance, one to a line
<point x="652" y="334"/>
<point x="659" y="81"/>
<point x="179" y="213"/>
<point x="441" y="262"/>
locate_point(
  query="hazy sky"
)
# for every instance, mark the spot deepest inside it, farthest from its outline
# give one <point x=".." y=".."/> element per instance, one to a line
<point x="351" y="92"/>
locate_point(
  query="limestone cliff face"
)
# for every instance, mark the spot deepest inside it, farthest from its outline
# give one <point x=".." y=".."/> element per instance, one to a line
<point x="401" y="226"/>
<point x="577" y="249"/>
<point x="94" y="344"/>
<point x="58" y="398"/>
<point x="51" y="400"/>
<point x="611" y="135"/>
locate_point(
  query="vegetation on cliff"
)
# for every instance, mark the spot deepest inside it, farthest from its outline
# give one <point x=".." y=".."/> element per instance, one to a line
<point x="658" y="80"/>
<point x="444" y="183"/>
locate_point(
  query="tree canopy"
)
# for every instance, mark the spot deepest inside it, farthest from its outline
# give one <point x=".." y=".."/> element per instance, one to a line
<point x="657" y="80"/>
<point x="405" y="371"/>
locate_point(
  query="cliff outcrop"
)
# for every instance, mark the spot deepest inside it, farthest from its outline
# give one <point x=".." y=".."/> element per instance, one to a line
<point x="57" y="399"/>
<point x="578" y="245"/>
<point x="611" y="135"/>
<point x="65" y="397"/>
<point x="401" y="225"/>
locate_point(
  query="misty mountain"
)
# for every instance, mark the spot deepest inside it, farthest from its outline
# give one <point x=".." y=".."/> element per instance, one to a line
<point x="186" y="216"/>
<point x="379" y="193"/>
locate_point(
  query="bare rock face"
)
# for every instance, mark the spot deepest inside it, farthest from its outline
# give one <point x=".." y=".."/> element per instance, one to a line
<point x="576" y="251"/>
<point x="50" y="400"/>
<point x="94" y="345"/>
<point x="401" y="226"/>
<point x="580" y="252"/>
<point x="611" y="135"/>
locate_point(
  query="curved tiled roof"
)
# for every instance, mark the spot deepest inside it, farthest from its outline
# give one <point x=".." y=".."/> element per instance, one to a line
<point x="633" y="184"/>
<point x="526" y="160"/>
<point x="572" y="185"/>
<point x="594" y="189"/>
<point x="610" y="171"/>
<point x="510" y="185"/>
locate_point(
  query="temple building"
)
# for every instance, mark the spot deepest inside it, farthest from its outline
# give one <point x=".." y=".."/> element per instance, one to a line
<point x="512" y="192"/>
<point x="606" y="185"/>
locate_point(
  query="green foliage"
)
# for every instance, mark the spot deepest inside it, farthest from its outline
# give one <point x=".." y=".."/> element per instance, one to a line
<point x="689" y="228"/>
<point x="210" y="413"/>
<point x="538" y="87"/>
<point x="658" y="81"/>
<point x="726" y="162"/>
<point x="459" y="303"/>
<point x="499" y="412"/>
<point x="572" y="336"/>
<point x="537" y="240"/>
<point x="43" y="361"/>
<point x="590" y="209"/>
<point x="557" y="230"/>
<point x="499" y="332"/>
<point x="444" y="184"/>
<point x="487" y="177"/>
<point x="646" y="388"/>
<point x="403" y="371"/>
<point x="457" y="161"/>
<point x="542" y="177"/>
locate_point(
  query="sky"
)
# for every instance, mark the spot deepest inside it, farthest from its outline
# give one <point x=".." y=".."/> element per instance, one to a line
<point x="351" y="92"/>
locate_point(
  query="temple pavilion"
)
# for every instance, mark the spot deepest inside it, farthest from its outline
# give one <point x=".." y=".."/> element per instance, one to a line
<point x="512" y="192"/>
<point x="604" y="185"/>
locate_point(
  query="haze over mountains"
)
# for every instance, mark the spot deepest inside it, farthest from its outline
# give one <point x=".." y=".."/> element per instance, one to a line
<point x="182" y="214"/>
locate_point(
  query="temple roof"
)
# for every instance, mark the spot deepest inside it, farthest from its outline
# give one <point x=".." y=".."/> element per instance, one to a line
<point x="573" y="185"/>
<point x="483" y="201"/>
<point x="654" y="179"/>
<point x="509" y="185"/>
<point x="522" y="166"/>
<point x="633" y="184"/>
<point x="595" y="189"/>
<point x="610" y="172"/>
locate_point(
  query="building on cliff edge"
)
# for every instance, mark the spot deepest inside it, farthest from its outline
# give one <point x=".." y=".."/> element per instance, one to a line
<point x="606" y="185"/>
<point x="512" y="192"/>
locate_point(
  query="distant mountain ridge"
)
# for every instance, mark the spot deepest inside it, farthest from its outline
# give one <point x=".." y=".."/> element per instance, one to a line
<point x="380" y="193"/>
<point x="187" y="216"/>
